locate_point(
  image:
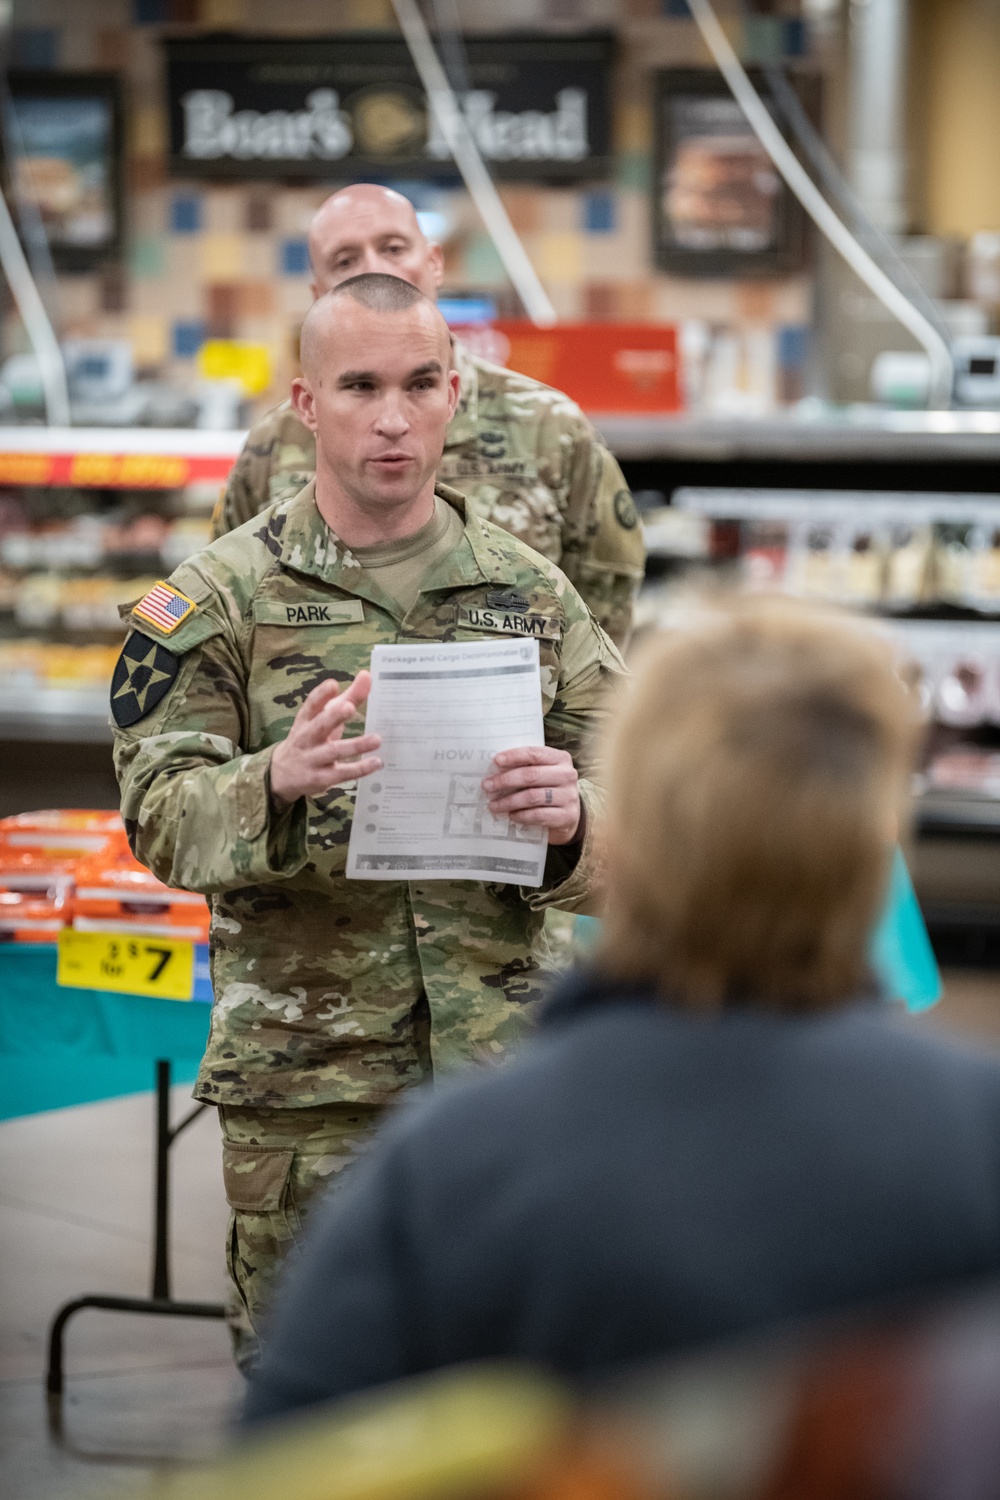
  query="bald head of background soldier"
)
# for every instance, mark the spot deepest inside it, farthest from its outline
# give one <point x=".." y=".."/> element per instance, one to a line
<point x="369" y="228"/>
<point x="522" y="453"/>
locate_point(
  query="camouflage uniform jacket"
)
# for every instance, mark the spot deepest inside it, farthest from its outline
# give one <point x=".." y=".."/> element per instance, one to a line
<point x="319" y="981"/>
<point x="524" y="455"/>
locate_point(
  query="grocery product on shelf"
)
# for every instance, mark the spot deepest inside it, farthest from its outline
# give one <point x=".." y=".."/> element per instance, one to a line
<point x="670" y="532"/>
<point x="967" y="566"/>
<point x="30" y="663"/>
<point x="91" y="604"/>
<point x="38" y="855"/>
<point x="115" y="893"/>
<point x="33" y="907"/>
<point x="88" y="541"/>
<point x="61" y="832"/>
<point x="888" y="553"/>
<point x="36" y="601"/>
<point x="78" y="605"/>
<point x="184" y="537"/>
<point x="983" y="591"/>
<point x="953" y="550"/>
<point x="74" y="868"/>
<point x="908" y="566"/>
<point x="879" y="566"/>
<point x="815" y="562"/>
<point x="765" y="554"/>
<point x="955" y="666"/>
<point x="966" y="769"/>
<point x="866" y="549"/>
<point x="966" y="692"/>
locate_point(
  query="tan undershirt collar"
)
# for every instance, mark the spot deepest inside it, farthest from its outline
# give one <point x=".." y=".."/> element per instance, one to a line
<point x="384" y="554"/>
<point x="400" y="567"/>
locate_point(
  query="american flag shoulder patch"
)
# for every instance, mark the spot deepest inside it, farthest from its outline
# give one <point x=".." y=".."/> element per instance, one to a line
<point x="164" y="607"/>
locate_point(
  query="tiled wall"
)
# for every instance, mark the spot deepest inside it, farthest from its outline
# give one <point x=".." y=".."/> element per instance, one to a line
<point x="230" y="261"/>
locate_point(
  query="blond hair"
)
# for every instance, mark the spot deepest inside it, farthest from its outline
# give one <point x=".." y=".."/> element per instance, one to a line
<point x="757" y="767"/>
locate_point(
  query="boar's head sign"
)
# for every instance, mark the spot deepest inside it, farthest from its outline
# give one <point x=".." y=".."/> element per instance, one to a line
<point x="537" y="107"/>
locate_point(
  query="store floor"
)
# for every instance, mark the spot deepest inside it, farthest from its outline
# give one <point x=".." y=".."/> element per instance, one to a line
<point x="145" y="1394"/>
<point x="141" y="1393"/>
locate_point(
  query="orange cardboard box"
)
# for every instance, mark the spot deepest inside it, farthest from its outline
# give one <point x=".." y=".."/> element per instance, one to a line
<point x="39" y="853"/>
<point x="34" y="906"/>
<point x="115" y="893"/>
<point x="58" y="833"/>
<point x="605" y="367"/>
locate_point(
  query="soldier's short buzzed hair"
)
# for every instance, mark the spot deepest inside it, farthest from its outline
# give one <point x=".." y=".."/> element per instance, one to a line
<point x="373" y="289"/>
<point x="379" y="291"/>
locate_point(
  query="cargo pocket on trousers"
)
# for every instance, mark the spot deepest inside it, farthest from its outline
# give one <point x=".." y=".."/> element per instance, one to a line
<point x="256" y="1177"/>
<point x="263" y="1223"/>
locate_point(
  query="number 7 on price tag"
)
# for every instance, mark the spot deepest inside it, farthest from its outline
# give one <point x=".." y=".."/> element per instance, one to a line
<point x="129" y="965"/>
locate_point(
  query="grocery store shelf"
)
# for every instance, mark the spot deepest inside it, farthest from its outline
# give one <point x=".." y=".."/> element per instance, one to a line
<point x="942" y="637"/>
<point x="74" y="454"/>
<point x="78" y="715"/>
<point x="959" y="915"/>
<point x="940" y="811"/>
<point x="853" y="432"/>
<point x="116" y="458"/>
<point x="185" y="440"/>
<point x="873" y="506"/>
<point x="847" y="433"/>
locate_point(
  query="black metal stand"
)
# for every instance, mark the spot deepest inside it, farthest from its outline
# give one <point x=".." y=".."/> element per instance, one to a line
<point x="160" y="1302"/>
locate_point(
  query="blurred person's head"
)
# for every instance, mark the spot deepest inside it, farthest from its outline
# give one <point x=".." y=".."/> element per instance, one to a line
<point x="758" y="767"/>
<point x="378" y="391"/>
<point x="366" y="228"/>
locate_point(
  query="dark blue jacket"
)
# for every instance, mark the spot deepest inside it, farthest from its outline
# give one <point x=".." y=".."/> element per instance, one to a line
<point x="644" y="1180"/>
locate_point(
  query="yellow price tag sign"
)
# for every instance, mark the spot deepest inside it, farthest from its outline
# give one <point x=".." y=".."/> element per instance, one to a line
<point x="234" y="359"/>
<point x="126" y="964"/>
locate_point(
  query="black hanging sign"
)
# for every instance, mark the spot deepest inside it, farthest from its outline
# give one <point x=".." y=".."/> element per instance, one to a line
<point x="63" y="135"/>
<point x="344" y="105"/>
<point x="719" y="206"/>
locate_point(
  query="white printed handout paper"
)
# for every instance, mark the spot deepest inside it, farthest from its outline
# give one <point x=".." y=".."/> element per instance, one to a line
<point x="443" y="712"/>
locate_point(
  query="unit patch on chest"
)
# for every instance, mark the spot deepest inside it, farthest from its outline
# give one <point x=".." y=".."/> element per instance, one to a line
<point x="306" y="612"/>
<point x="510" y="622"/>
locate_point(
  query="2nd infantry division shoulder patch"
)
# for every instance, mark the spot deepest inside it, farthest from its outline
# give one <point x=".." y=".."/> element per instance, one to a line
<point x="143" y="676"/>
<point x="164" y="607"/>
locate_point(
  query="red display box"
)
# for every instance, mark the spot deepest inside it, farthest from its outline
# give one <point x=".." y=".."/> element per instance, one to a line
<point x="606" y="367"/>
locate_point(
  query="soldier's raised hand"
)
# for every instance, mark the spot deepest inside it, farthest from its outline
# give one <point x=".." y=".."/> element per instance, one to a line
<point x="315" y="757"/>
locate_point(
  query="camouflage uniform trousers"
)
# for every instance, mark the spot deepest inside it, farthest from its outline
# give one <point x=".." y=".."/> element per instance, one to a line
<point x="277" y="1165"/>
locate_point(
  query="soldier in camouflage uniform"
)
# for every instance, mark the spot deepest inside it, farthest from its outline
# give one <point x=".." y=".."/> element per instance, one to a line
<point x="332" y="998"/>
<point x="522" y="453"/>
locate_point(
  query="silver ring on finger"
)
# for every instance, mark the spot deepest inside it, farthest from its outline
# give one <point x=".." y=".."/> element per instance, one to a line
<point x="548" y="796"/>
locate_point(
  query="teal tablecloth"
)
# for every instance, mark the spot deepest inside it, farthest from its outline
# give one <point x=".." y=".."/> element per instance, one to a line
<point x="60" y="1047"/>
<point x="901" y="951"/>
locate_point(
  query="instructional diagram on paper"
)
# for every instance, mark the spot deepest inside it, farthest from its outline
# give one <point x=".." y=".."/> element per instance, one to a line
<point x="443" y="712"/>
